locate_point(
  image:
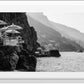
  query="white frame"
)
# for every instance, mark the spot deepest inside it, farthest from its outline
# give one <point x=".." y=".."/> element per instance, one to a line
<point x="36" y="75"/>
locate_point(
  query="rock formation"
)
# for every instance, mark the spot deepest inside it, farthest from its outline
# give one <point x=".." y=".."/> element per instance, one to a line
<point x="28" y="33"/>
<point x="10" y="57"/>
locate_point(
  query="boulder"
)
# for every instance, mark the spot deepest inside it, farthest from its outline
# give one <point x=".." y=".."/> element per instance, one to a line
<point x="54" y="53"/>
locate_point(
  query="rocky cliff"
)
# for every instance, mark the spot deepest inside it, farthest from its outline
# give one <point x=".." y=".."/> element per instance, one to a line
<point x="28" y="33"/>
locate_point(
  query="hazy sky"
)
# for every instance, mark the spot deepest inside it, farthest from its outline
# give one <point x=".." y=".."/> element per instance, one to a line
<point x="75" y="20"/>
<point x="70" y="13"/>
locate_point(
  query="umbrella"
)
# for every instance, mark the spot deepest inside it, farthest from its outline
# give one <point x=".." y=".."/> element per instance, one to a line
<point x="13" y="26"/>
<point x="11" y="31"/>
<point x="2" y="22"/>
<point x="4" y="28"/>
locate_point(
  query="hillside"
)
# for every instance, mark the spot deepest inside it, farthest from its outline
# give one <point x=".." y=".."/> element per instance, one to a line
<point x="47" y="35"/>
<point x="65" y="31"/>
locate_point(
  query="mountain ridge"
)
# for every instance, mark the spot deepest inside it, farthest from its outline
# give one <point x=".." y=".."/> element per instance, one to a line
<point x="39" y="26"/>
<point x="78" y="37"/>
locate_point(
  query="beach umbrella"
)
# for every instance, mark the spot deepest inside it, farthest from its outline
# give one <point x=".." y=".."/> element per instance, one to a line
<point x="2" y="22"/>
<point x="13" y="26"/>
<point x="11" y="31"/>
<point x="4" y="28"/>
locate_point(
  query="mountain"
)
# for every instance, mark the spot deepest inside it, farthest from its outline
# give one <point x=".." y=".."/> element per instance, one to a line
<point x="65" y="31"/>
<point x="49" y="34"/>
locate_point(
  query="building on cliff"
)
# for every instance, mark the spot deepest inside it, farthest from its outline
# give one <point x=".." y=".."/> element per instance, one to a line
<point x="28" y="33"/>
<point x="11" y="36"/>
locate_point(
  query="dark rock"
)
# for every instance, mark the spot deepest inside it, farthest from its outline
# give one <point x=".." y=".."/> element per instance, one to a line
<point x="54" y="53"/>
<point x="26" y="65"/>
<point x="27" y="62"/>
<point x="10" y="57"/>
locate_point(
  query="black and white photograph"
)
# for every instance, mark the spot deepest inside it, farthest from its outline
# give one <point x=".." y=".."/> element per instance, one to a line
<point x="44" y="38"/>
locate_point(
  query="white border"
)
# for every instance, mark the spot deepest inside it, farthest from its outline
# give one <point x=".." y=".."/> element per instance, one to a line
<point x="42" y="75"/>
<point x="21" y="6"/>
<point x="13" y="6"/>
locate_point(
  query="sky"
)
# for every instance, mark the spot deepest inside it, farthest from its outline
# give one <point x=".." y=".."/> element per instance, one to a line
<point x="69" y="13"/>
<point x="74" y="20"/>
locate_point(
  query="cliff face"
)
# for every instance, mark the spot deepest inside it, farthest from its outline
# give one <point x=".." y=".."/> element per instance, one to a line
<point x="28" y="33"/>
